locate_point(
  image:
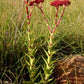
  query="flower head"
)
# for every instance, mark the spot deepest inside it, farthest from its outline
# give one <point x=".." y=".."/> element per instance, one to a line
<point x="38" y="1"/>
<point x="66" y="2"/>
<point x="31" y="3"/>
<point x="35" y="1"/>
<point x="58" y="3"/>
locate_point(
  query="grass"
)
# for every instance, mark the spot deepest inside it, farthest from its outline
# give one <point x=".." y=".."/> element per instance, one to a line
<point x="13" y="22"/>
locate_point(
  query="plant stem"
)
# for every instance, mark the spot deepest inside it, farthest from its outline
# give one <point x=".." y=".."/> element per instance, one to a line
<point x="45" y="19"/>
<point x="61" y="16"/>
<point x="30" y="54"/>
<point x="49" y="65"/>
<point x="56" y="15"/>
<point x="57" y="23"/>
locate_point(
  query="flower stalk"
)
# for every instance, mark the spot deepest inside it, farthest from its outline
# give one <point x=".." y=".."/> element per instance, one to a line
<point x="56" y="15"/>
<point x="30" y="55"/>
<point x="49" y="63"/>
<point x="45" y="19"/>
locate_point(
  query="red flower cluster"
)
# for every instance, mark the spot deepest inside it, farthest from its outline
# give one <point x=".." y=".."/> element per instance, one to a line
<point x="31" y="3"/>
<point x="58" y="3"/>
<point x="36" y="1"/>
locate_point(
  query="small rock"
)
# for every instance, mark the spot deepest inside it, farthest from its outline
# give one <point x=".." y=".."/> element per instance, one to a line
<point x="71" y="69"/>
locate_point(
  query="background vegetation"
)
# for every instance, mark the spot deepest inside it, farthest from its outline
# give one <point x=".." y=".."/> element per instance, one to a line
<point x="13" y="23"/>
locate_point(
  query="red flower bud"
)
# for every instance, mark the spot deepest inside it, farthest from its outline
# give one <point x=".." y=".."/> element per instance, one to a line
<point x="36" y="1"/>
<point x="66" y="2"/>
<point x="58" y="3"/>
<point x="31" y="3"/>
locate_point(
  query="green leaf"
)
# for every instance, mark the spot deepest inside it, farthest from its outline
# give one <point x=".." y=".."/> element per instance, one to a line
<point x="46" y="52"/>
<point x="50" y="79"/>
<point x="52" y="62"/>
<point x="27" y="55"/>
<point x="44" y="69"/>
<point x="36" y="70"/>
<point x="37" y="60"/>
<point x="45" y="60"/>
<point x="34" y="51"/>
<point x="53" y="52"/>
<point x="25" y="44"/>
<point x="28" y="68"/>
<point x="27" y="82"/>
<point x="42" y="78"/>
<point x="27" y="62"/>
<point x="52" y="69"/>
<point x="28" y="33"/>
<point x="36" y="76"/>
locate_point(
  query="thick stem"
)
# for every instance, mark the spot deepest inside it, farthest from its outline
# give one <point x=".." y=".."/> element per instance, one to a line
<point x="31" y="59"/>
<point x="48" y="65"/>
